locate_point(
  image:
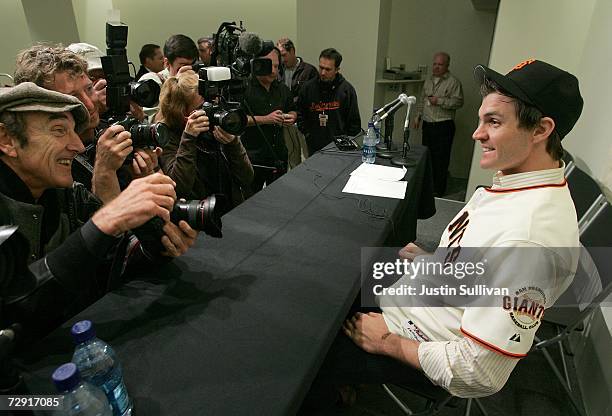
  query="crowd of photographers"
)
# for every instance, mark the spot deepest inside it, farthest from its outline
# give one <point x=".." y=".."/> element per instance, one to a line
<point x="102" y="173"/>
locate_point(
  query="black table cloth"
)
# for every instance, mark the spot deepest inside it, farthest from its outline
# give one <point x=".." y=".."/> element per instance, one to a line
<point x="240" y="325"/>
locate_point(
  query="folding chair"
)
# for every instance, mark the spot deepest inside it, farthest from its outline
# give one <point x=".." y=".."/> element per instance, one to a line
<point x="594" y="275"/>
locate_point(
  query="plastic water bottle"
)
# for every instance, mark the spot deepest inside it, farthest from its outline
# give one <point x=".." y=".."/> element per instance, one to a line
<point x="80" y="397"/>
<point x="377" y="130"/>
<point x="369" y="145"/>
<point x="98" y="365"/>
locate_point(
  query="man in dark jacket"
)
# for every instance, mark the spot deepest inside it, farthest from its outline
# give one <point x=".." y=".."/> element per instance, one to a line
<point x="295" y="70"/>
<point x="270" y="107"/>
<point x="71" y="237"/>
<point x="327" y="106"/>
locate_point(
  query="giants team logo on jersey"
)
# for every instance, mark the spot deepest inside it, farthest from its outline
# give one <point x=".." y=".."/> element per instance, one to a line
<point x="526" y="307"/>
<point x="456" y="231"/>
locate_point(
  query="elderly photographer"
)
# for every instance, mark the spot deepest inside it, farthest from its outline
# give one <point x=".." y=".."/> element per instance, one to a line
<point x="59" y="69"/>
<point x="67" y="228"/>
<point x="201" y="162"/>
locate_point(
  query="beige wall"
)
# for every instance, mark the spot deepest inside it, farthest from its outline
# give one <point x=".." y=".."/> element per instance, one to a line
<point x="155" y="21"/>
<point x="14" y="36"/>
<point x="574" y="35"/>
<point x="351" y="26"/>
<point x="419" y="28"/>
<point x="554" y="31"/>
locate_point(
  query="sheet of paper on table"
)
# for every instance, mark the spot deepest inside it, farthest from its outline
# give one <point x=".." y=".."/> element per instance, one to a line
<point x="376" y="180"/>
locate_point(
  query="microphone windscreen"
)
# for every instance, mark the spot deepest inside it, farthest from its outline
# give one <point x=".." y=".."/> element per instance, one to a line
<point x="250" y="43"/>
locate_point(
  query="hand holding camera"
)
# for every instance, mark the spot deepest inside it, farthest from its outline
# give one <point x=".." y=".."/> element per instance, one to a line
<point x="197" y="123"/>
<point x="222" y="136"/>
<point x="113" y="146"/>
<point x="142" y="200"/>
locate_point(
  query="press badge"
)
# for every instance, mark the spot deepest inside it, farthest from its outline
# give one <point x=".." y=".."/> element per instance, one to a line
<point x="323" y="119"/>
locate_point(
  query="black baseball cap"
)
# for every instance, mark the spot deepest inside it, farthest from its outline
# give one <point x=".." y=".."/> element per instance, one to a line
<point x="551" y="90"/>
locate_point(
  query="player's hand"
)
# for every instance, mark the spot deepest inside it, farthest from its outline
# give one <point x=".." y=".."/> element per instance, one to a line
<point x="411" y="251"/>
<point x="368" y="331"/>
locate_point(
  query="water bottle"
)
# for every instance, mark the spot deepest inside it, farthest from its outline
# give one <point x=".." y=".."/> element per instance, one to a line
<point x="369" y="145"/>
<point x="80" y="397"/>
<point x="377" y="130"/>
<point x="98" y="365"/>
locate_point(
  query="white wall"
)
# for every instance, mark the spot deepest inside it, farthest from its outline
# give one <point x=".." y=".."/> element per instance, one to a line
<point x="574" y="35"/>
<point x="351" y="26"/>
<point x="38" y="15"/>
<point x="419" y="28"/>
<point x="554" y="31"/>
<point x="14" y="36"/>
<point x="155" y="21"/>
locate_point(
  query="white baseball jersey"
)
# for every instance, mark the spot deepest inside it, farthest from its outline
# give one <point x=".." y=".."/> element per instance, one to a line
<point x="532" y="216"/>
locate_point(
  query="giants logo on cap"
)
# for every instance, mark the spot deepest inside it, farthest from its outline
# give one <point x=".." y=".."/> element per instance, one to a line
<point x="522" y="64"/>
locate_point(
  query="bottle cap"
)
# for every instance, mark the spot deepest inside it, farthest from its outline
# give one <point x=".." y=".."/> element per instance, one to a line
<point x="66" y="377"/>
<point x="82" y="331"/>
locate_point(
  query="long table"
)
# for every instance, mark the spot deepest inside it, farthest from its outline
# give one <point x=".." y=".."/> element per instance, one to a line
<point x="240" y="325"/>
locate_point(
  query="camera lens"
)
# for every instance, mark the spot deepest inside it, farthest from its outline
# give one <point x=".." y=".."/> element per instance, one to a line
<point x="201" y="215"/>
<point x="145" y="93"/>
<point x="153" y="135"/>
<point x="233" y="121"/>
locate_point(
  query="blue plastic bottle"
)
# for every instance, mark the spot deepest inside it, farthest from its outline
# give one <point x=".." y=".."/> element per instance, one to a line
<point x="80" y="397"/>
<point x="98" y="365"/>
<point x="369" y="145"/>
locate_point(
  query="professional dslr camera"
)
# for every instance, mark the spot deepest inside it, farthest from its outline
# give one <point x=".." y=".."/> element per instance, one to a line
<point x="121" y="88"/>
<point x="222" y="87"/>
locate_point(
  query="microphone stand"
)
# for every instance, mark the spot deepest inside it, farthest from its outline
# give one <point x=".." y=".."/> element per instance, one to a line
<point x="403" y="160"/>
<point x="386" y="150"/>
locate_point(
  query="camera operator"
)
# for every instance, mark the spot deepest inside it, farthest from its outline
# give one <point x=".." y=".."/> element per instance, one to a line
<point x="59" y="69"/>
<point x="201" y="163"/>
<point x="263" y="138"/>
<point x="78" y="249"/>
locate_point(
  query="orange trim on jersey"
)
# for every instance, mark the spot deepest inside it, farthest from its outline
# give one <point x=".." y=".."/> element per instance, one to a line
<point x="491" y="346"/>
<point x="527" y="188"/>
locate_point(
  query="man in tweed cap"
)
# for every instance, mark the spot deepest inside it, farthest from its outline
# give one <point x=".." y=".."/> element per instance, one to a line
<point x="73" y="240"/>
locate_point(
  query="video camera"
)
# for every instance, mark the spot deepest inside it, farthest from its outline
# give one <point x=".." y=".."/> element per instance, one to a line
<point x="121" y="88"/>
<point x="234" y="58"/>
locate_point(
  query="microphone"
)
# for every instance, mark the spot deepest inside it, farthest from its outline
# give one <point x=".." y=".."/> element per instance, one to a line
<point x="250" y="43"/>
<point x="389" y="105"/>
<point x="411" y="102"/>
<point x="402" y="100"/>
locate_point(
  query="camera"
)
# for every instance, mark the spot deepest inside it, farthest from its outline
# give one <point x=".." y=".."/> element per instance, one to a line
<point x="216" y="86"/>
<point x="145" y="134"/>
<point x="201" y="215"/>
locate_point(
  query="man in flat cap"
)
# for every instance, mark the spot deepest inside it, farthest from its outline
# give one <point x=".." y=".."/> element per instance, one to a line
<point x="524" y="225"/>
<point x="77" y="248"/>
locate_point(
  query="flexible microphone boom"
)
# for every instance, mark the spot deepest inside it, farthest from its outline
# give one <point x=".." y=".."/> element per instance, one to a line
<point x="411" y="102"/>
<point x="402" y="100"/>
<point x="389" y="105"/>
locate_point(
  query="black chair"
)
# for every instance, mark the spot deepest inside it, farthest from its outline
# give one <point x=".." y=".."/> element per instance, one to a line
<point x="583" y="189"/>
<point x="591" y="286"/>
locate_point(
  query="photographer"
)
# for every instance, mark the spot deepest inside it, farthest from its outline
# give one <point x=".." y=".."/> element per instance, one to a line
<point x="202" y="163"/>
<point x="263" y="138"/>
<point x="67" y="228"/>
<point x="58" y="69"/>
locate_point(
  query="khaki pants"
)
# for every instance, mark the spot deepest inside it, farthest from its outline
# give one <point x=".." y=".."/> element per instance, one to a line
<point x="296" y="146"/>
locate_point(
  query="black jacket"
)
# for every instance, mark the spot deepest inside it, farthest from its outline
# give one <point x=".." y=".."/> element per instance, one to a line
<point x="71" y="262"/>
<point x="338" y="101"/>
<point x="303" y="72"/>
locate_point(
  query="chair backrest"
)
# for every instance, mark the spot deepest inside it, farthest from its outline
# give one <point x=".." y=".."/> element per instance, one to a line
<point x="583" y="189"/>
